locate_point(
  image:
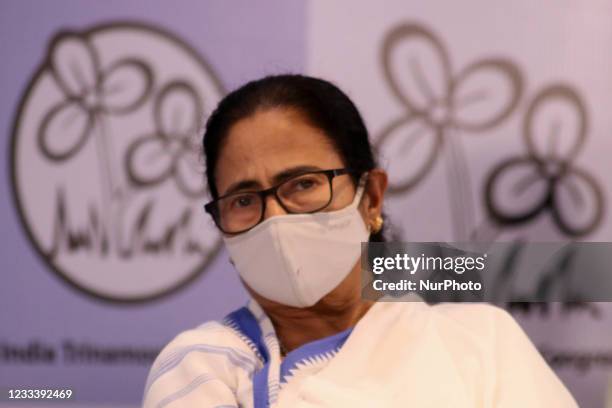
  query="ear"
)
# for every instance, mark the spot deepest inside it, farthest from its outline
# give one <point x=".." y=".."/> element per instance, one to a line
<point x="374" y="195"/>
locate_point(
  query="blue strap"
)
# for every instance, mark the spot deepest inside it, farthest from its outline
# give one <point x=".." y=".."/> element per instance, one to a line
<point x="248" y="326"/>
<point x="261" y="397"/>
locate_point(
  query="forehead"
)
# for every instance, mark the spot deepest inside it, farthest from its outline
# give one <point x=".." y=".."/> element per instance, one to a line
<point x="269" y="142"/>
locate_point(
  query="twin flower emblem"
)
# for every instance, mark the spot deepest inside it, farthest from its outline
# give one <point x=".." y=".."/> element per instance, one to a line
<point x="440" y="104"/>
<point x="93" y="93"/>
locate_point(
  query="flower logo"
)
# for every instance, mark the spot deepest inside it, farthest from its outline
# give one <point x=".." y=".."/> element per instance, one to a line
<point x="546" y="178"/>
<point x="90" y="90"/>
<point x="106" y="178"/>
<point x="438" y="103"/>
<point x="170" y="152"/>
<point x="418" y="69"/>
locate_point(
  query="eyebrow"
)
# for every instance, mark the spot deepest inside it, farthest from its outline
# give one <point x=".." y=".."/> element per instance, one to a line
<point x="252" y="184"/>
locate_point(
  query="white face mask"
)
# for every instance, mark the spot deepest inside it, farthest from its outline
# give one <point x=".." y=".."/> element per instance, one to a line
<point x="296" y="259"/>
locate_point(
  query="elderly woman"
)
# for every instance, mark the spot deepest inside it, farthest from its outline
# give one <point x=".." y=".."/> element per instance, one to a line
<point x="296" y="190"/>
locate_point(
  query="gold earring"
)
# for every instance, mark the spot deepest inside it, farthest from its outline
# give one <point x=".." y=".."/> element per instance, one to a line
<point x="377" y="224"/>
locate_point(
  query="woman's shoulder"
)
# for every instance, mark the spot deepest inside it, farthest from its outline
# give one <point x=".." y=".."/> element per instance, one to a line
<point x="206" y="336"/>
<point x="480" y="324"/>
<point x="476" y="323"/>
<point x="210" y="332"/>
<point x="213" y="347"/>
<point x="506" y="352"/>
<point x="211" y="337"/>
<point x="211" y="356"/>
<point x="471" y="314"/>
<point x="225" y="333"/>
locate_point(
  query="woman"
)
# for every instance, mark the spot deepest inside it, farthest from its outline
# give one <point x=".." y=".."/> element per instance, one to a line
<point x="296" y="190"/>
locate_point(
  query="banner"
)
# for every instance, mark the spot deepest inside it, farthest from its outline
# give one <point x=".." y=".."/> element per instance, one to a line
<point x="493" y="123"/>
<point x="106" y="251"/>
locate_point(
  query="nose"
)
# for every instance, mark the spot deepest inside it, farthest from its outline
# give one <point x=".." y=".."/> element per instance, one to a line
<point x="273" y="207"/>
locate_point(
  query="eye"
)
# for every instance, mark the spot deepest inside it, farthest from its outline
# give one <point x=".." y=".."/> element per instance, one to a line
<point x="242" y="201"/>
<point x="304" y="184"/>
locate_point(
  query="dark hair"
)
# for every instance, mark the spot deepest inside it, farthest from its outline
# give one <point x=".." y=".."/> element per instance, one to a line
<point x="323" y="105"/>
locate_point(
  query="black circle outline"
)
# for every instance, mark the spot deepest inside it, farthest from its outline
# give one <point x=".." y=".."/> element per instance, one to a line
<point x="154" y="28"/>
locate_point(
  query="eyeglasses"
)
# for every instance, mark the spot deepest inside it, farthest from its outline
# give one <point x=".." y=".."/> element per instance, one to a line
<point x="301" y="194"/>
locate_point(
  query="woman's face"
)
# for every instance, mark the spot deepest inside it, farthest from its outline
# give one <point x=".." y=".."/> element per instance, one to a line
<point x="272" y="145"/>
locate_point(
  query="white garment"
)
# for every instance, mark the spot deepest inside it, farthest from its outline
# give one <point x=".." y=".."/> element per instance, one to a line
<point x="399" y="354"/>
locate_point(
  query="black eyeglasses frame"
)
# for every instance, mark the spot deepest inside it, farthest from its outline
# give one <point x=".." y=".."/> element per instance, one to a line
<point x="212" y="209"/>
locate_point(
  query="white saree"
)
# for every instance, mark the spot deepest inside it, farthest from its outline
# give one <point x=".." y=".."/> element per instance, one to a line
<point x="399" y="354"/>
